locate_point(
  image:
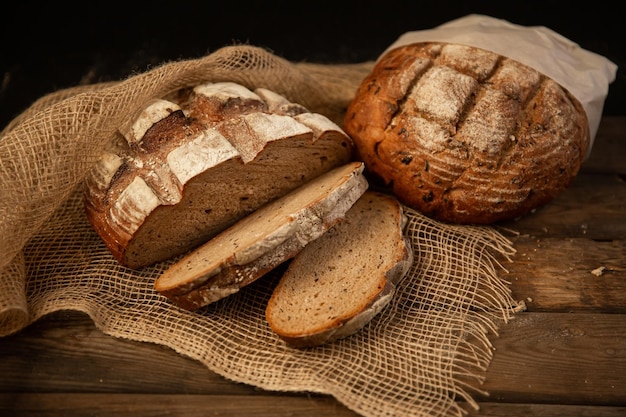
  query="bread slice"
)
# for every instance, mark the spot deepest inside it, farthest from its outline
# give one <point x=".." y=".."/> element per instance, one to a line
<point x="263" y="240"/>
<point x="192" y="164"/>
<point x="339" y="282"/>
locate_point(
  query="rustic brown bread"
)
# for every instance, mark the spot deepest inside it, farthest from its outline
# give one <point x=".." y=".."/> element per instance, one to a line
<point x="465" y="135"/>
<point x="191" y="165"/>
<point x="339" y="282"/>
<point x="263" y="240"/>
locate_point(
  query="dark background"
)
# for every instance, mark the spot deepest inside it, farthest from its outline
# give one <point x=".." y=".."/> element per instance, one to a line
<point x="50" y="46"/>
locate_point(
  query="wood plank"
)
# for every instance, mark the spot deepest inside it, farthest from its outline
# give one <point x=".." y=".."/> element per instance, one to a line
<point x="64" y="352"/>
<point x="559" y="358"/>
<point x="553" y="358"/>
<point x="544" y="410"/>
<point x="144" y="405"/>
<point x="568" y="274"/>
<point x="609" y="148"/>
<point x="150" y="405"/>
<point x="593" y="207"/>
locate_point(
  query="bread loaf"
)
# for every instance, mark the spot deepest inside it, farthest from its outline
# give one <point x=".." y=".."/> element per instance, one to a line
<point x="465" y="135"/>
<point x="192" y="164"/>
<point x="341" y="281"/>
<point x="263" y="240"/>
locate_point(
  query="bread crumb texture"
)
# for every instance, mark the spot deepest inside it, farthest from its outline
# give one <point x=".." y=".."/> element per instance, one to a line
<point x="340" y="275"/>
<point x="258" y="243"/>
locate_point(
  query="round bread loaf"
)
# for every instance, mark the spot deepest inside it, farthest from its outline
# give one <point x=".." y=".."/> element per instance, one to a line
<point x="465" y="135"/>
<point x="192" y="164"/>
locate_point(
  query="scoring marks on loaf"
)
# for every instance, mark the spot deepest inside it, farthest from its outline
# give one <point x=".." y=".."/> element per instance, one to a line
<point x="225" y="91"/>
<point x="244" y="136"/>
<point x="133" y="205"/>
<point x="154" y="112"/>
<point x="209" y="149"/>
<point x="457" y="89"/>
<point x="441" y="94"/>
<point x="187" y="133"/>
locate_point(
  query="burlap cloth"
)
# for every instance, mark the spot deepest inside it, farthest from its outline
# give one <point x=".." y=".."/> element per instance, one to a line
<point x="423" y="355"/>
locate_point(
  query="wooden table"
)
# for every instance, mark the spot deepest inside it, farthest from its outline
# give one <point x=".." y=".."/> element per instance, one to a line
<point x="564" y="356"/>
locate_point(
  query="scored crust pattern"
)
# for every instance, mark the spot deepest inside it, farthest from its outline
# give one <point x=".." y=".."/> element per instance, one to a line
<point x="191" y="164"/>
<point x="465" y="135"/>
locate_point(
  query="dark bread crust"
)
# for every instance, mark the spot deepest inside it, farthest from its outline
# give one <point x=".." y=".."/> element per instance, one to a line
<point x="464" y="135"/>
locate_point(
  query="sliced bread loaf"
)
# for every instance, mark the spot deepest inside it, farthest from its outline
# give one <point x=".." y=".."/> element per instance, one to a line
<point x="263" y="240"/>
<point x="339" y="282"/>
<point x="191" y="165"/>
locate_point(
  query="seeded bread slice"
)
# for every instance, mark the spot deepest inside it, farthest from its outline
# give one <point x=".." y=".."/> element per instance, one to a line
<point x="263" y="240"/>
<point x="339" y="282"/>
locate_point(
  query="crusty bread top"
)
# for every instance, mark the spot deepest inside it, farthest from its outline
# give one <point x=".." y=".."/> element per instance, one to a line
<point x="339" y="282"/>
<point x="465" y="135"/>
<point x="201" y="159"/>
<point x="263" y="240"/>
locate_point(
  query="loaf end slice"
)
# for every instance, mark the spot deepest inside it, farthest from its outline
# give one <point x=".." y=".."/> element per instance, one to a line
<point x="263" y="240"/>
<point x="341" y="281"/>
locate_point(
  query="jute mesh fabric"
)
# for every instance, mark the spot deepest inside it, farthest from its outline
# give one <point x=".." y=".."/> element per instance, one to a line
<point x="426" y="353"/>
